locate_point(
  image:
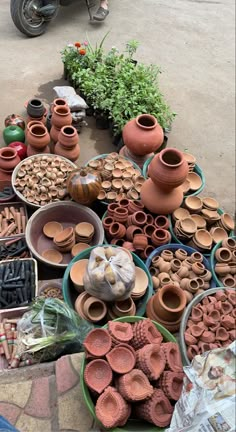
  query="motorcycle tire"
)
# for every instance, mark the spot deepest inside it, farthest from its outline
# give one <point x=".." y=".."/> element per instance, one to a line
<point x="24" y="23"/>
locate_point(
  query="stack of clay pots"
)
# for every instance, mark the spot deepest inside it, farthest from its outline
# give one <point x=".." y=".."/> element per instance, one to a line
<point x="61" y="116"/>
<point x="68" y="143"/>
<point x="225" y="263"/>
<point x="124" y="363"/>
<point x="36" y="111"/>
<point x="181" y="269"/>
<point x="120" y="179"/>
<point x="199" y="223"/>
<point x="129" y="225"/>
<point x="142" y="136"/>
<point x="162" y="193"/>
<point x="212" y="323"/>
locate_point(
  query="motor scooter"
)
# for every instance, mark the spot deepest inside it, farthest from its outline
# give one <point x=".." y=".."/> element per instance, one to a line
<point x="31" y="17"/>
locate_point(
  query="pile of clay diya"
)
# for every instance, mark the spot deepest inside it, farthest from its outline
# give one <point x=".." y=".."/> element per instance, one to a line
<point x="130" y="368"/>
<point x="212" y="323"/>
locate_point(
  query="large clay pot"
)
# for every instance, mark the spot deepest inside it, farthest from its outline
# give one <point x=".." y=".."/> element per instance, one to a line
<point x="14" y="120"/>
<point x="158" y="201"/>
<point x="20" y="147"/>
<point x="61" y="116"/>
<point x="8" y="159"/>
<point x="35" y="108"/>
<point x="54" y="133"/>
<point x="83" y="185"/>
<point x="58" y="102"/>
<point x="143" y="135"/>
<point x="13" y="133"/>
<point x="38" y="137"/>
<point x="67" y="144"/>
<point x="168" y="169"/>
<point x="169" y="303"/>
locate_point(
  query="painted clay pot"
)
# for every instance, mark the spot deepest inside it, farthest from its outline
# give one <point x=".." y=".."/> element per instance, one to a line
<point x="98" y="342"/>
<point x="68" y="143"/>
<point x="8" y="159"/>
<point x="169" y="303"/>
<point x="98" y="375"/>
<point x="61" y="117"/>
<point x="38" y="137"/>
<point x="121" y="359"/>
<point x="151" y="361"/>
<point x="111" y="408"/>
<point x="156" y="410"/>
<point x="172" y="356"/>
<point x="14" y="120"/>
<point x="83" y="186"/>
<point x="35" y="108"/>
<point x="143" y="135"/>
<point x="158" y="201"/>
<point x="13" y="133"/>
<point x="134" y="386"/>
<point x="20" y="147"/>
<point x="172" y="383"/>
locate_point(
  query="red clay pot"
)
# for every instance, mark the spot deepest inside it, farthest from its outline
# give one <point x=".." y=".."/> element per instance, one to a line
<point x="135" y="206"/>
<point x="111" y="208"/>
<point x="162" y="222"/>
<point x="223" y="255"/>
<point x="143" y="135"/>
<point x="192" y="351"/>
<point x="68" y="138"/>
<point x="140" y="242"/>
<point x="158" y="201"/>
<point x="156" y="410"/>
<point x="38" y="137"/>
<point x="107" y="222"/>
<point x="120" y="214"/>
<point x="139" y="218"/>
<point x="151" y="360"/>
<point x="172" y="383"/>
<point x="169" y="303"/>
<point x="134" y="386"/>
<point x="121" y="359"/>
<point x="98" y="342"/>
<point x="145" y="332"/>
<point x="149" y="230"/>
<point x="117" y="230"/>
<point x="131" y="231"/>
<point x="98" y="375"/>
<point x="160" y="237"/>
<point x="8" y="159"/>
<point x="111" y="409"/>
<point x="172" y="356"/>
<point x="61" y="116"/>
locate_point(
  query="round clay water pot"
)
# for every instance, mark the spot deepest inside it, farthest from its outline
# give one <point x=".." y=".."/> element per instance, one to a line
<point x="13" y="133"/>
<point x="169" y="302"/>
<point x="223" y="255"/>
<point x="143" y="135"/>
<point x="61" y="116"/>
<point x="38" y="136"/>
<point x="68" y="137"/>
<point x="83" y="186"/>
<point x="35" y="108"/>
<point x="31" y="151"/>
<point x="229" y="243"/>
<point x="8" y="159"/>
<point x="162" y="222"/>
<point x="168" y="169"/>
<point x="98" y="375"/>
<point x="71" y="154"/>
<point x="158" y="201"/>
<point x="14" y="120"/>
<point x="20" y="147"/>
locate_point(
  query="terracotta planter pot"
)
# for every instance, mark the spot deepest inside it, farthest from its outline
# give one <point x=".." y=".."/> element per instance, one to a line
<point x="169" y="303"/>
<point x="168" y="169"/>
<point x="98" y="375"/>
<point x="143" y="135"/>
<point x="158" y="201"/>
<point x="151" y="361"/>
<point x="8" y="159"/>
<point x="121" y="360"/>
<point x="172" y="383"/>
<point x="156" y="410"/>
<point x="98" y="342"/>
<point x="134" y="386"/>
<point x="38" y="137"/>
<point x="61" y="117"/>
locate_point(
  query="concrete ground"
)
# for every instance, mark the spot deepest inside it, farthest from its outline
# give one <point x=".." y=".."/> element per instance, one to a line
<point x="192" y="41"/>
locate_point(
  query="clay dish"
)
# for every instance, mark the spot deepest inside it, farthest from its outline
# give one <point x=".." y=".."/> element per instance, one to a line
<point x="121" y="359"/>
<point x="64" y="235"/>
<point x="210" y="203"/>
<point x="199" y="220"/>
<point x="117" y="184"/>
<point x="77" y="272"/>
<point x="52" y="255"/>
<point x="84" y="229"/>
<point x="127" y="184"/>
<point x="195" y="181"/>
<point x="227" y="221"/>
<point x="211" y="215"/>
<point x="189" y="158"/>
<point x="188" y="225"/>
<point x="186" y="186"/>
<point x="218" y="234"/>
<point x="180" y="213"/>
<point x="78" y="247"/>
<point x="141" y="282"/>
<point x="79" y="304"/>
<point x="51" y="229"/>
<point x="98" y="375"/>
<point x="98" y="342"/>
<point x="117" y="173"/>
<point x="193" y="204"/>
<point x="203" y="238"/>
<point x="101" y="195"/>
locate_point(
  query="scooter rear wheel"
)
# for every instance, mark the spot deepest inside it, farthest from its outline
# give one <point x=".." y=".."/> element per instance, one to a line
<point x="25" y="18"/>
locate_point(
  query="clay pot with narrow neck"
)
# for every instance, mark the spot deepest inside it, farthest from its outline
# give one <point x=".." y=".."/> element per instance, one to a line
<point x="15" y="120"/>
<point x="8" y="159"/>
<point x="68" y="143"/>
<point x="168" y="169"/>
<point x="158" y="201"/>
<point x="84" y="185"/>
<point x="38" y="137"/>
<point x="143" y="135"/>
<point x="61" y="116"/>
<point x="13" y="133"/>
<point x="58" y="102"/>
<point x="32" y="123"/>
<point x="35" y="108"/>
<point x="169" y="302"/>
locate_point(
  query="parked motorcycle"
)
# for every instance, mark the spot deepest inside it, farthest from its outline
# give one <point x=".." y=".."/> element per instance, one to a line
<point x="31" y="17"/>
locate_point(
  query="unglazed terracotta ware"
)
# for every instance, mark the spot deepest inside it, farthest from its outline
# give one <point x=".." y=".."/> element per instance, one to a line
<point x="68" y="143"/>
<point x="98" y="375"/>
<point x="172" y="383"/>
<point x="111" y="408"/>
<point x="121" y="359"/>
<point x="77" y="273"/>
<point x="143" y="135"/>
<point x="158" y="201"/>
<point x="83" y="186"/>
<point x="94" y="309"/>
<point x="151" y="360"/>
<point x="61" y="116"/>
<point x="134" y="386"/>
<point x="38" y="137"/>
<point x="156" y="410"/>
<point x="9" y="159"/>
<point x="52" y="255"/>
<point x="98" y="342"/>
<point x="51" y="229"/>
<point x="169" y="303"/>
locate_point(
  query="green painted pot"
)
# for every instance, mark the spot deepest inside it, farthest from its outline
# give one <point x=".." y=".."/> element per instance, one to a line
<point x="13" y="133"/>
<point x="213" y="263"/>
<point x="132" y="425"/>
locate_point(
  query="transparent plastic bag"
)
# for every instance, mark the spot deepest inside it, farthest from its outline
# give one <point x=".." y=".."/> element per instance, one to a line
<point x="110" y="274"/>
<point x="75" y="102"/>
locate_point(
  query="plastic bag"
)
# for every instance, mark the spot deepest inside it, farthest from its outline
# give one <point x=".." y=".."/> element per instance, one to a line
<point x="50" y="329"/>
<point x="110" y="274"/>
<point x="75" y="102"/>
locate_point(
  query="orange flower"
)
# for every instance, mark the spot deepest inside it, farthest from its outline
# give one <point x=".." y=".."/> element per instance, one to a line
<point x="82" y="51"/>
<point x="77" y="44"/>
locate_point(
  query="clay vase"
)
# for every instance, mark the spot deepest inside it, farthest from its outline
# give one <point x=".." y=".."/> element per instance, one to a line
<point x="143" y="135"/>
<point x="83" y="185"/>
<point x="168" y="169"/>
<point x="169" y="303"/>
<point x="8" y="159"/>
<point x="38" y="137"/>
<point x="13" y="133"/>
<point x="61" y="116"/>
<point x="14" y="120"/>
<point x="158" y="201"/>
<point x="68" y="143"/>
<point x="58" y="102"/>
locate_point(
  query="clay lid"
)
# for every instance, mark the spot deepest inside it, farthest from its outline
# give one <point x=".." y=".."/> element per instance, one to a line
<point x="199" y="220"/>
<point x="188" y="225"/>
<point x="77" y="272"/>
<point x="180" y="213"/>
<point x="218" y="234"/>
<point x="141" y="283"/>
<point x="78" y="247"/>
<point x="98" y="375"/>
<point x="193" y="203"/>
<point x="98" y="342"/>
<point x="210" y="203"/>
<point x="203" y="238"/>
<point x="52" y="255"/>
<point x="195" y="181"/>
<point x="84" y="229"/>
<point x="51" y="229"/>
<point x="64" y="235"/>
<point x="121" y="359"/>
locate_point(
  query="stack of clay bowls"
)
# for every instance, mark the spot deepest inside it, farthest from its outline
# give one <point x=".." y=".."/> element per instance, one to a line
<point x="129" y="225"/>
<point x="65" y="240"/>
<point x="210" y="323"/>
<point x="120" y="177"/>
<point x="185" y="269"/>
<point x="223" y="262"/>
<point x="84" y="232"/>
<point x="201" y="224"/>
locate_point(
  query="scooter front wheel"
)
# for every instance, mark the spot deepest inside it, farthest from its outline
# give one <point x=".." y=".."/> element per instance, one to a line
<point x="26" y="17"/>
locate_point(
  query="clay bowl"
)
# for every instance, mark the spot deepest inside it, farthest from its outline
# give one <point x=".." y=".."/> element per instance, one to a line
<point x="218" y="234"/>
<point x="203" y="239"/>
<point x="180" y="213"/>
<point x="199" y="220"/>
<point x="141" y="283"/>
<point x="213" y="262"/>
<point x="68" y="214"/>
<point x="210" y="203"/>
<point x="78" y="247"/>
<point x="227" y="222"/>
<point x="51" y="229"/>
<point x="52" y="255"/>
<point x="64" y="236"/>
<point x="77" y="273"/>
<point x="195" y="181"/>
<point x="188" y="225"/>
<point x="193" y="204"/>
<point x="185" y="318"/>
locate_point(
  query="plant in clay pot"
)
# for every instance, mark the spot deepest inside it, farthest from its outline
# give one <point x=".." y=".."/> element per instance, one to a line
<point x="172" y="383"/>
<point x="151" y="361"/>
<point x="121" y="359"/>
<point x="98" y="375"/>
<point x="134" y="386"/>
<point x="156" y="410"/>
<point x="111" y="408"/>
<point x="98" y="342"/>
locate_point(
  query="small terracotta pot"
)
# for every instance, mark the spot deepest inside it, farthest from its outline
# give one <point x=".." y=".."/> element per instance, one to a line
<point x="140" y="242"/>
<point x="38" y="136"/>
<point x="181" y="254"/>
<point x="228" y="322"/>
<point x="135" y="206"/>
<point x="175" y="265"/>
<point x="223" y="255"/>
<point x="98" y="342"/>
<point x="61" y="116"/>
<point x="172" y="356"/>
<point x="165" y="266"/>
<point x="162" y="222"/>
<point x="229" y="281"/>
<point x="147" y="251"/>
<point x="120" y="214"/>
<point x="196" y="330"/>
<point x="121" y="359"/>
<point x="156" y="410"/>
<point x="207" y="336"/>
<point x="107" y="222"/>
<point x="8" y="159"/>
<point x="111" y="208"/>
<point x="196" y="314"/>
<point x="98" y="375"/>
<point x="229" y="243"/>
<point x="167" y="255"/>
<point x="189" y="338"/>
<point x="111" y="409"/>
<point x="169" y="303"/>
<point x="172" y="383"/>
<point x="117" y="230"/>
<point x="160" y="237"/>
<point x="148" y="230"/>
<point x="94" y="309"/>
<point x="183" y="272"/>
<point x="193" y="286"/>
<point x="139" y="218"/>
<point x="151" y="360"/>
<point x="196" y="257"/>
<point x="192" y="351"/>
<point x="125" y="307"/>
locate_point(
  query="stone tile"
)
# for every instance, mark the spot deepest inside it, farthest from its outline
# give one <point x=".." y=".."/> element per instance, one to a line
<point x="72" y="412"/>
<point x="76" y="360"/>
<point x="26" y="423"/>
<point x="17" y="393"/>
<point x="66" y="377"/>
<point x="39" y="401"/>
<point x="9" y="411"/>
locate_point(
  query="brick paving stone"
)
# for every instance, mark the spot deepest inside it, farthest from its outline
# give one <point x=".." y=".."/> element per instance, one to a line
<point x="66" y="378"/>
<point x="26" y="423"/>
<point x="39" y="401"/>
<point x="9" y="411"/>
<point x="72" y="412"/>
<point x="17" y="393"/>
<point x="76" y="360"/>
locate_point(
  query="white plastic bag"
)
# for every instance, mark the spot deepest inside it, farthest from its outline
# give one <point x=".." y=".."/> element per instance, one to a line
<point x="110" y="274"/>
<point x="75" y="102"/>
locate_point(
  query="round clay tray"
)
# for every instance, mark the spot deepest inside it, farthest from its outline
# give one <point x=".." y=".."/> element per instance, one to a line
<point x="51" y="229"/>
<point x="52" y="255"/>
<point x="185" y="318"/>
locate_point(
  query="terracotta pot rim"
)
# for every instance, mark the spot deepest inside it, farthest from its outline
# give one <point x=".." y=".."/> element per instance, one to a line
<point x="68" y="127"/>
<point x="40" y="127"/>
<point x="148" y="117"/>
<point x="177" y="291"/>
<point x="173" y="151"/>
<point x="12" y="151"/>
<point x="63" y="110"/>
